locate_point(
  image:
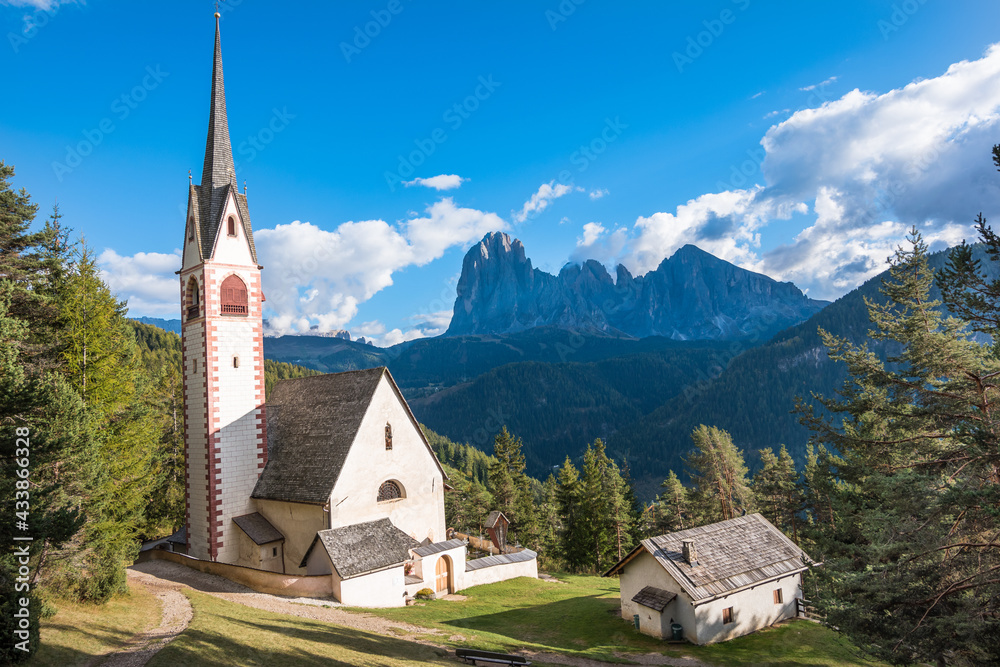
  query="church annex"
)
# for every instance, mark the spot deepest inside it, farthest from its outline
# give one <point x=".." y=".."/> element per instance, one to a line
<point x="331" y="482"/>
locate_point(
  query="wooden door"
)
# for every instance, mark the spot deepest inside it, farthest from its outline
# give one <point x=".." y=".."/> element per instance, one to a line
<point x="441" y="570"/>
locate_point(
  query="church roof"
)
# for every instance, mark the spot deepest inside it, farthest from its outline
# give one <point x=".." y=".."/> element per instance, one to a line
<point x="312" y="423"/>
<point x="731" y="555"/>
<point x="363" y="547"/>
<point x="258" y="528"/>
<point x="218" y="175"/>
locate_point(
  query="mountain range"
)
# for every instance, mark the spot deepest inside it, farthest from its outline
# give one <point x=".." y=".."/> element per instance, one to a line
<point x="691" y="295"/>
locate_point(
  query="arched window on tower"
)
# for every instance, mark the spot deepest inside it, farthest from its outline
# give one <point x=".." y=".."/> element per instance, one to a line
<point x="231" y="226"/>
<point x="389" y="490"/>
<point x="193" y="299"/>
<point x="234" y="296"/>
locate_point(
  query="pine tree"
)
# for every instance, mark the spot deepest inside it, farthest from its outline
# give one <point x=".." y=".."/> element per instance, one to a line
<point x="511" y="488"/>
<point x="777" y="492"/>
<point x="574" y="548"/>
<point x="718" y="475"/>
<point x="911" y="571"/>
<point x="673" y="507"/>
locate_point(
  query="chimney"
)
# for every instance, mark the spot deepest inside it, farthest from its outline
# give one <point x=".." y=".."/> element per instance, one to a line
<point x="690" y="555"/>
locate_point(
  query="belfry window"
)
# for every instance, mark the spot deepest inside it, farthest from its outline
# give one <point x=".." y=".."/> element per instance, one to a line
<point x="389" y="491"/>
<point x="193" y="299"/>
<point x="388" y="437"/>
<point x="231" y="226"/>
<point x="191" y="229"/>
<point x="234" y="296"/>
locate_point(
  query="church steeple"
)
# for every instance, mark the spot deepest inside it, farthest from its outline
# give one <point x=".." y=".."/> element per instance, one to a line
<point x="218" y="169"/>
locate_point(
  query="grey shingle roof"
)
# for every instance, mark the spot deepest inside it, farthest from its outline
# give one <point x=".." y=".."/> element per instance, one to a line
<point x="311" y="424"/>
<point x="363" y="547"/>
<point x="654" y="598"/>
<point x="258" y="528"/>
<point x="180" y="537"/>
<point x="490" y="561"/>
<point x="494" y="517"/>
<point x="731" y="555"/>
<point x="438" y="547"/>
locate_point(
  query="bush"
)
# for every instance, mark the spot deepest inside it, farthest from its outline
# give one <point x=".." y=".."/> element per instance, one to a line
<point x="425" y="594"/>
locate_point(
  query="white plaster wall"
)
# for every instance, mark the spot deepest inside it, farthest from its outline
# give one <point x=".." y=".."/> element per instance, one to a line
<point x="385" y="588"/>
<point x="232" y="249"/>
<point x="642" y="571"/>
<point x="268" y="560"/>
<point x="491" y="575"/>
<point x="420" y="513"/>
<point x="299" y="523"/>
<point x="196" y="436"/>
<point x="318" y="561"/>
<point x="753" y="609"/>
<point x="249" y="552"/>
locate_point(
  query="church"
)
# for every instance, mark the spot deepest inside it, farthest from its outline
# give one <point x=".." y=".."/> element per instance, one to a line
<point x="328" y="487"/>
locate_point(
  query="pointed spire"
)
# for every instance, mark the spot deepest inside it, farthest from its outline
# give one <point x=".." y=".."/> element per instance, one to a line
<point x="218" y="170"/>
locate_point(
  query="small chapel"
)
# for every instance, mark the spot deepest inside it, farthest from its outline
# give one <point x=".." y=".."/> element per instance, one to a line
<point x="329" y="487"/>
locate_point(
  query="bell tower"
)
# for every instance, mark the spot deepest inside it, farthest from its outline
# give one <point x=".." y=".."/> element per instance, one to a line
<point x="222" y="340"/>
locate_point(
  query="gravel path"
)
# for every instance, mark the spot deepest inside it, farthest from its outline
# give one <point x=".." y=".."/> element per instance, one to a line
<point x="176" y="614"/>
<point x="172" y="577"/>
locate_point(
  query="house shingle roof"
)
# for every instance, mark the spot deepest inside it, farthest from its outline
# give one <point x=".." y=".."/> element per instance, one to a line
<point x="363" y="547"/>
<point x="311" y="424"/>
<point x="258" y="528"/>
<point x="731" y="555"/>
<point x="654" y="598"/>
<point x="503" y="559"/>
<point x="438" y="547"/>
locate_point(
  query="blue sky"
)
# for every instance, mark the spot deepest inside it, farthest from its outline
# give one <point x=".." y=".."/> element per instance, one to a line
<point x="796" y="139"/>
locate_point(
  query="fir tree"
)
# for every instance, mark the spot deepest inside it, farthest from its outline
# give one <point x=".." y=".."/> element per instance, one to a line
<point x="778" y="494"/>
<point x="719" y="476"/>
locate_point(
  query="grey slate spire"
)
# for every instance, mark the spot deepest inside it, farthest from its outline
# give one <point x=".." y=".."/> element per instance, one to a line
<point x="218" y="175"/>
<point x="218" y="169"/>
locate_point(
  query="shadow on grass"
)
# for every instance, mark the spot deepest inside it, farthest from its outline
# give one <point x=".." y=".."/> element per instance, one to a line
<point x="239" y="641"/>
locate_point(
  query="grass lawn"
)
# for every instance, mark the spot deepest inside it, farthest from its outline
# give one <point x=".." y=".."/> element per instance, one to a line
<point x="79" y="632"/>
<point x="226" y="633"/>
<point x="576" y="618"/>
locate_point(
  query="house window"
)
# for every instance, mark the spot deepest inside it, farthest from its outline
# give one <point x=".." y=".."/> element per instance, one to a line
<point x="727" y="615"/>
<point x="274" y="551"/>
<point x="388" y="437"/>
<point x="231" y="226"/>
<point x="778" y="599"/>
<point x="389" y="491"/>
<point x="193" y="299"/>
<point x="236" y="362"/>
<point x="234" y="296"/>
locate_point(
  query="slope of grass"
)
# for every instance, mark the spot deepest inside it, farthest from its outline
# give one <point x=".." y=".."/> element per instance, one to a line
<point x="578" y="618"/>
<point x="225" y="633"/>
<point x="79" y="632"/>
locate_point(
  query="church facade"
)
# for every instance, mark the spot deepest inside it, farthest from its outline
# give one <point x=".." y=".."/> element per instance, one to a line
<point x="332" y="476"/>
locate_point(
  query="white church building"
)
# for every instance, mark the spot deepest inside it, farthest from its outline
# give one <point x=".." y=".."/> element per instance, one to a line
<point x="329" y="480"/>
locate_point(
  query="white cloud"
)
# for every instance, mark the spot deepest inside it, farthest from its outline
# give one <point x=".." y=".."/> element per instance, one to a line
<point x="146" y="280"/>
<point x="597" y="194"/>
<point x="439" y="182"/>
<point x="864" y="167"/>
<point x="776" y="112"/>
<point x="756" y="95"/>
<point x="41" y="5"/>
<point x="821" y="84"/>
<point x="315" y="276"/>
<point x="591" y="232"/>
<point x="547" y="193"/>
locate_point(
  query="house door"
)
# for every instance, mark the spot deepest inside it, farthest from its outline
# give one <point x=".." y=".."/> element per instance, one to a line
<point x="441" y="570"/>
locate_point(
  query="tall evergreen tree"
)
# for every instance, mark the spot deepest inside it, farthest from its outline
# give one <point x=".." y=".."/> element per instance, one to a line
<point x="574" y="547"/>
<point x="719" y="476"/>
<point x="777" y="491"/>
<point x="510" y="486"/>
<point x="672" y="510"/>
<point x="912" y="568"/>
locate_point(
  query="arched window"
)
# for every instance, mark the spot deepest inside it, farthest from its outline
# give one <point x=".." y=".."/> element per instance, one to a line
<point x="234" y="296"/>
<point x="388" y="436"/>
<point x="231" y="226"/>
<point x="191" y="229"/>
<point x="389" y="491"/>
<point x="193" y="299"/>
